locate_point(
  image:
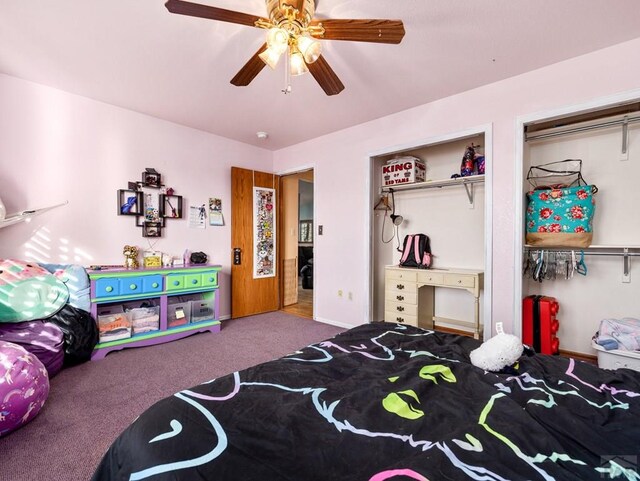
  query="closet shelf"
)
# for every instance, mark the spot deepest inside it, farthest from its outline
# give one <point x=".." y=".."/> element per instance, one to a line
<point x="26" y="215"/>
<point x="586" y="249"/>
<point x="467" y="182"/>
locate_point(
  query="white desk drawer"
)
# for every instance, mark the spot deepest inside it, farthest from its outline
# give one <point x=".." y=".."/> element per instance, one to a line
<point x="401" y="308"/>
<point x="401" y="296"/>
<point x="401" y="318"/>
<point x="430" y="278"/>
<point x="400" y="285"/>
<point x="404" y="275"/>
<point x="458" y="280"/>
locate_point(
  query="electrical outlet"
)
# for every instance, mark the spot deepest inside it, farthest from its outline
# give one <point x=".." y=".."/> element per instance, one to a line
<point x="340" y="293"/>
<point x="499" y="329"/>
<point x="350" y="295"/>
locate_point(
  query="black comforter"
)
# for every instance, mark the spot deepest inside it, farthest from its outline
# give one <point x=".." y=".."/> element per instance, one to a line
<point x="389" y="402"/>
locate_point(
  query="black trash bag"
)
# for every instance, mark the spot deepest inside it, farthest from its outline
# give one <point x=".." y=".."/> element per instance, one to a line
<point x="80" y="333"/>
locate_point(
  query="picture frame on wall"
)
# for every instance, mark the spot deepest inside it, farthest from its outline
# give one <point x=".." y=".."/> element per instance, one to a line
<point x="171" y="206"/>
<point x="152" y="229"/>
<point x="305" y="231"/>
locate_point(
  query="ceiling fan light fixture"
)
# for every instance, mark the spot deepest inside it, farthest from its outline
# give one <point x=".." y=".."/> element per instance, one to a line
<point x="310" y="48"/>
<point x="277" y="39"/>
<point x="296" y="63"/>
<point x="270" y="57"/>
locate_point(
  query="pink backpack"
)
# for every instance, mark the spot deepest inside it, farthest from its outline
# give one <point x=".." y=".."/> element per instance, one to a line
<point x="416" y="251"/>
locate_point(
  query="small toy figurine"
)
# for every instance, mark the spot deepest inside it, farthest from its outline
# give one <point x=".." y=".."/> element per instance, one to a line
<point x="130" y="257"/>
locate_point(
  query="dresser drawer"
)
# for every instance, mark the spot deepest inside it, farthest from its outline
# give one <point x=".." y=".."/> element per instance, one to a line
<point x="210" y="278"/>
<point x="430" y="278"/>
<point x="401" y="318"/>
<point x="459" y="280"/>
<point x="130" y="286"/>
<point x="192" y="281"/>
<point x="175" y="282"/>
<point x="107" y="287"/>
<point x="152" y="283"/>
<point x="408" y="275"/>
<point x="400" y="285"/>
<point x="400" y="296"/>
<point x="401" y="308"/>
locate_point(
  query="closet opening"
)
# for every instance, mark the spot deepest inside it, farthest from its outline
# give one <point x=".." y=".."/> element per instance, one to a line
<point x="594" y="280"/>
<point x="454" y="211"/>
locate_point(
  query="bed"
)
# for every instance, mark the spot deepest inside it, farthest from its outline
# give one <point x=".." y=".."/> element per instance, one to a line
<point x="389" y="402"/>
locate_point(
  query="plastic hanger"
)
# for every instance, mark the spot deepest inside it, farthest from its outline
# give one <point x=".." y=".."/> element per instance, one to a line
<point x="581" y="267"/>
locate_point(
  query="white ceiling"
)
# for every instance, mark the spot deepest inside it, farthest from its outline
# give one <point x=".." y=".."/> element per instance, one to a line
<point x="137" y="55"/>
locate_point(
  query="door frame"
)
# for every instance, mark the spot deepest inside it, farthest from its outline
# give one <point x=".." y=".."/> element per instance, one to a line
<point x="283" y="173"/>
<point x="519" y="204"/>
<point x="487" y="131"/>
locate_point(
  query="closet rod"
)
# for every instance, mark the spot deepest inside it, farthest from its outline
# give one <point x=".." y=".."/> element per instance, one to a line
<point x="578" y="251"/>
<point x="601" y="125"/>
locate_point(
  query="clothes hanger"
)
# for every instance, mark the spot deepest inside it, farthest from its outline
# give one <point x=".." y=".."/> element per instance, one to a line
<point x="581" y="267"/>
<point x="384" y="202"/>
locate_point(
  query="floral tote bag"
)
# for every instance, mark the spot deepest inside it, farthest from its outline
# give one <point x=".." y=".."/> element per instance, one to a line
<point x="561" y="216"/>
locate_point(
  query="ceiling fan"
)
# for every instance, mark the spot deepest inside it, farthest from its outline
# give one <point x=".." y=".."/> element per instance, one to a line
<point x="291" y="28"/>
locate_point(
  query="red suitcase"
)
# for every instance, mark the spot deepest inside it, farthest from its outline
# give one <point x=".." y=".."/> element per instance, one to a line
<point x="539" y="324"/>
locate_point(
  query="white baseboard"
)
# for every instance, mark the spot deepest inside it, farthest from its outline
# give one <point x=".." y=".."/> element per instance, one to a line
<point x="335" y="323"/>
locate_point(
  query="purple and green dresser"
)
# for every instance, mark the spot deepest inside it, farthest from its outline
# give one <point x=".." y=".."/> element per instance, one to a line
<point x="178" y="302"/>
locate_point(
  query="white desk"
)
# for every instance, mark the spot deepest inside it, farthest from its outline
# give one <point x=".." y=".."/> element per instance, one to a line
<point x="410" y="295"/>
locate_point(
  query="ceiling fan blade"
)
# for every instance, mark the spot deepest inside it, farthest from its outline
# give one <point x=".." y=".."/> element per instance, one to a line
<point x="378" y="31"/>
<point x="252" y="68"/>
<point x="325" y="76"/>
<point x="212" y="13"/>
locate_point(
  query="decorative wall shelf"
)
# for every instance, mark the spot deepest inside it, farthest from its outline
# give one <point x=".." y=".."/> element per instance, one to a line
<point x="26" y="215"/>
<point x="467" y="182"/>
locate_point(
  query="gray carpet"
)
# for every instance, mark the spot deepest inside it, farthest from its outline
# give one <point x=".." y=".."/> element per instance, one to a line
<point x="90" y="404"/>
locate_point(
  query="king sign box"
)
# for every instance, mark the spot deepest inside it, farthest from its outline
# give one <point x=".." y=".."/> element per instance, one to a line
<point x="403" y="170"/>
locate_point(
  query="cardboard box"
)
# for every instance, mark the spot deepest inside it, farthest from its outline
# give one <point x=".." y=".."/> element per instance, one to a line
<point x="403" y="170"/>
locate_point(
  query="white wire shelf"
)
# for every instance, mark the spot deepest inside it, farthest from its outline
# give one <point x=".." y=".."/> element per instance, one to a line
<point x="26" y="215"/>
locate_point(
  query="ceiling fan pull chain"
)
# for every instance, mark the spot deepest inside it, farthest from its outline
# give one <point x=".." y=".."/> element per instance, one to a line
<point x="287" y="74"/>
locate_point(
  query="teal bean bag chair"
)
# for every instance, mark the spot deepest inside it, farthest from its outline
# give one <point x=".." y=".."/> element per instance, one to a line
<point x="28" y="291"/>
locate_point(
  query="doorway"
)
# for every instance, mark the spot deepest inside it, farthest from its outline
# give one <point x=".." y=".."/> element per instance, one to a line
<point x="296" y="234"/>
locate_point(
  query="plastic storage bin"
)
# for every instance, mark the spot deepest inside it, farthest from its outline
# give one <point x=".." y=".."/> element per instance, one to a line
<point x="202" y="310"/>
<point x="178" y="314"/>
<point x="113" y="323"/>
<point x="617" y="358"/>
<point x="144" y="319"/>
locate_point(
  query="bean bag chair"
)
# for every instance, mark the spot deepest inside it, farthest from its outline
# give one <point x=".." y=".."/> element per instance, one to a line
<point x="24" y="387"/>
<point x="28" y="291"/>
<point x="80" y="333"/>
<point x="43" y="339"/>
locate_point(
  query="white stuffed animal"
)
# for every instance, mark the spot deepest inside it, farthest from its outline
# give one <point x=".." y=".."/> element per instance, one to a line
<point x="497" y="353"/>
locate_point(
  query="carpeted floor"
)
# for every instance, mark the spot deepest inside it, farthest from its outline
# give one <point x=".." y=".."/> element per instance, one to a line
<point x="90" y="404"/>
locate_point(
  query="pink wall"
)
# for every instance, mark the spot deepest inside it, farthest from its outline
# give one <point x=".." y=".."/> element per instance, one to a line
<point x="57" y="147"/>
<point x="342" y="205"/>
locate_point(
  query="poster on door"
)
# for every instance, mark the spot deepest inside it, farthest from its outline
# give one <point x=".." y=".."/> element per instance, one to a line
<point x="264" y="235"/>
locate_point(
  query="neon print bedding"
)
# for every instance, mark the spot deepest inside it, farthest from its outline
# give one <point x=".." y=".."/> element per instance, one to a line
<point x="389" y="402"/>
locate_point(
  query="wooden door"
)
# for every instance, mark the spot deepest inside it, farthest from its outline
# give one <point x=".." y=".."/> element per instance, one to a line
<point x="250" y="295"/>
